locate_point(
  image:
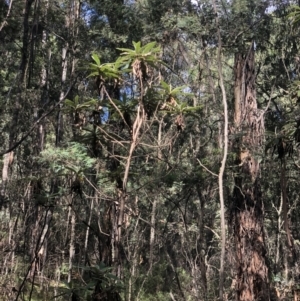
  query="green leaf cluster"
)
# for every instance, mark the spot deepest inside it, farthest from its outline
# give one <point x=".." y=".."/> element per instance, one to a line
<point x="74" y="157"/>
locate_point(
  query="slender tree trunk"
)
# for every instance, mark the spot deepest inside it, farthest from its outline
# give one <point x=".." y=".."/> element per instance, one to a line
<point x="17" y="106"/>
<point x="6" y="163"/>
<point x="59" y="124"/>
<point x="134" y="268"/>
<point x="24" y="62"/>
<point x="202" y="267"/>
<point x="283" y="186"/>
<point x="72" y="244"/>
<point x="278" y="237"/>
<point x="152" y="233"/>
<point x="44" y="82"/>
<point x="223" y="163"/>
<point x="9" y="262"/>
<point x="4" y="22"/>
<point x="117" y="259"/>
<point x="247" y="202"/>
<point x="154" y="203"/>
<point x="64" y="68"/>
<point x="87" y="233"/>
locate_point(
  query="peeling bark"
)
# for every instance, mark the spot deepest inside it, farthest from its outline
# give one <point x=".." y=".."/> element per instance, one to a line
<point x="247" y="214"/>
<point x="252" y="272"/>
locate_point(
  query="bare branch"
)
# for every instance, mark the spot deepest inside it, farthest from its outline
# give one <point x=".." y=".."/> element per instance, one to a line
<point x="212" y="173"/>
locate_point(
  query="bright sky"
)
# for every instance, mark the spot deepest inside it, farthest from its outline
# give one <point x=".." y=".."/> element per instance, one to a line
<point x="269" y="10"/>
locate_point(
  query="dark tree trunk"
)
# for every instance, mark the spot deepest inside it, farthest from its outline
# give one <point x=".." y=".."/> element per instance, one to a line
<point x="252" y="271"/>
<point x="247" y="204"/>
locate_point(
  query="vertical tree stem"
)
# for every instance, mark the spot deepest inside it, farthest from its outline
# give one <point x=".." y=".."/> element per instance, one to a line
<point x="223" y="163"/>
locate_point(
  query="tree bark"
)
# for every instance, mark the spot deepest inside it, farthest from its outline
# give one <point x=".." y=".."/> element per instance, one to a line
<point x="252" y="282"/>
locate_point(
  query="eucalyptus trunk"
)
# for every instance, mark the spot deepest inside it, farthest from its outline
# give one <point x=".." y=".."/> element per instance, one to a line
<point x="252" y="282"/>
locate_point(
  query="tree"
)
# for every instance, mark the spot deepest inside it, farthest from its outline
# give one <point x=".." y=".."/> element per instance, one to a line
<point x="247" y="202"/>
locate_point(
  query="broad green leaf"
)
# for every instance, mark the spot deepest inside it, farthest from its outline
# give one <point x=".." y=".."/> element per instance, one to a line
<point x="69" y="103"/>
<point x="126" y="51"/>
<point x="177" y="90"/>
<point x="76" y="100"/>
<point x="165" y="86"/>
<point x="149" y="47"/>
<point x="95" y="57"/>
<point x="95" y="73"/>
<point x="137" y="46"/>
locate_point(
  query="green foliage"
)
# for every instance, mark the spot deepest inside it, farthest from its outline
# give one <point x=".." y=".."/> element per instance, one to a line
<point x="176" y="100"/>
<point x="104" y="71"/>
<point x="146" y="54"/>
<point x="104" y="277"/>
<point x="168" y="91"/>
<point x="74" y="157"/>
<point x="99" y="276"/>
<point x="294" y="15"/>
<point x="75" y="105"/>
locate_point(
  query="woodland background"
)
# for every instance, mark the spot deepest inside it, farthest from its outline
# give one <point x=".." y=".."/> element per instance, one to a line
<point x="149" y="150"/>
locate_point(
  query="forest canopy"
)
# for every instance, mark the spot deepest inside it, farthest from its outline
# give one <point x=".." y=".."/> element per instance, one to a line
<point x="150" y="150"/>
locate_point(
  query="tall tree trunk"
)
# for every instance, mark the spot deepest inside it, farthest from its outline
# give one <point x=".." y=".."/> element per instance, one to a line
<point x="201" y="243"/>
<point x="152" y="233"/>
<point x="24" y="61"/>
<point x="247" y="203"/>
<point x="13" y="128"/>
<point x="224" y="148"/>
<point x="64" y="67"/>
<point x="72" y="244"/>
<point x="44" y="81"/>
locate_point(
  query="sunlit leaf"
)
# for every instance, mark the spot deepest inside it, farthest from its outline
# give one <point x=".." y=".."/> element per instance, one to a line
<point x="95" y="57"/>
